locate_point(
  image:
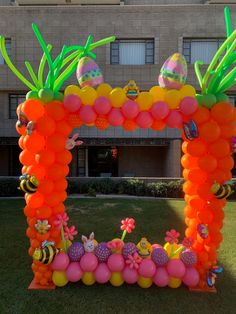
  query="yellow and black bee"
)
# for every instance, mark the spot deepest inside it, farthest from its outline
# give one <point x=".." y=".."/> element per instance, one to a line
<point x="46" y="254"/>
<point x="221" y="190"/>
<point x="28" y="184"/>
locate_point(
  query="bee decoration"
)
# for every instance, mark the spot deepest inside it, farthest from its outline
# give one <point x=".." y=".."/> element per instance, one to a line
<point x="28" y="184"/>
<point x="23" y="121"/>
<point x="46" y="253"/>
<point x="222" y="190"/>
<point x="190" y="130"/>
<point x="131" y="90"/>
<point x="212" y="275"/>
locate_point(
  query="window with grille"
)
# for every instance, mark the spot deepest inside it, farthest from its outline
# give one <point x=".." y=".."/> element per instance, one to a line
<point x="232" y="99"/>
<point x="200" y="49"/>
<point x="81" y="161"/>
<point x="132" y="51"/>
<point x="8" y="48"/>
<point x="14" y="101"/>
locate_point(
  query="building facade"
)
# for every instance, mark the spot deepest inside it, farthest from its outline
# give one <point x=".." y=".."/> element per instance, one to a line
<point x="147" y="33"/>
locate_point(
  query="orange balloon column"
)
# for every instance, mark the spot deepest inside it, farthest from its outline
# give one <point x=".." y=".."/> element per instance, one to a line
<point x="44" y="156"/>
<point x="207" y="160"/>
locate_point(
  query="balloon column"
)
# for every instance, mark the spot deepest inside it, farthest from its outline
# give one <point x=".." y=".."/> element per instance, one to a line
<point x="45" y="122"/>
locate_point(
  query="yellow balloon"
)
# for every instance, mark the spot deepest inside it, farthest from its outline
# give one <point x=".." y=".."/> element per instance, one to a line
<point x="170" y="248"/>
<point x="88" y="95"/>
<point x="72" y="89"/>
<point x="104" y="89"/>
<point x="172" y="97"/>
<point x="158" y="93"/>
<point x="116" y="279"/>
<point x="88" y="278"/>
<point x="117" y="97"/>
<point x="59" y="278"/>
<point x="187" y="90"/>
<point x="174" y="282"/>
<point x="144" y="282"/>
<point x="144" y="100"/>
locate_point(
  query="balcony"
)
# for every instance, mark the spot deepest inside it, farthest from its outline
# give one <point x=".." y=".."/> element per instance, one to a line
<point x="67" y="2"/>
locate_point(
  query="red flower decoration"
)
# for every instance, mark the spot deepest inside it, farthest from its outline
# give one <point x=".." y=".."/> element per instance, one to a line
<point x="188" y="242"/>
<point x="70" y="233"/>
<point x="133" y="261"/>
<point x="61" y="220"/>
<point x="172" y="236"/>
<point x="127" y="224"/>
<point x="116" y="244"/>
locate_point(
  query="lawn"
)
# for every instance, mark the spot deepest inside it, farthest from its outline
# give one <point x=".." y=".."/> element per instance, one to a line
<point x="153" y="218"/>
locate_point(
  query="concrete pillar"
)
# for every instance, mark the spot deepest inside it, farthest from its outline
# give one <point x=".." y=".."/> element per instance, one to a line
<point x="172" y="165"/>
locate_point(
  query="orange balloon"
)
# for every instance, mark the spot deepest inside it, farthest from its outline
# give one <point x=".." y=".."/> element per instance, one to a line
<point x="34" y="142"/>
<point x="31" y="233"/>
<point x="44" y="212"/>
<point x="193" y="223"/>
<point x="196" y="148"/>
<point x="33" y="109"/>
<point x="21" y="130"/>
<point x="62" y="195"/>
<point x="46" y="186"/>
<point x="204" y="191"/>
<point x="61" y="184"/>
<point x="64" y="128"/>
<point x="186" y="173"/>
<point x="207" y="163"/>
<point x="74" y="120"/>
<point x="27" y="157"/>
<point x="130" y="125"/>
<point x="198" y="247"/>
<point x="203" y="257"/>
<point x="184" y="147"/>
<point x="58" y="209"/>
<point x="29" y="212"/>
<point x="65" y="170"/>
<point x="52" y="200"/>
<point x="188" y="161"/>
<point x="31" y="251"/>
<point x="55" y="172"/>
<point x="64" y="157"/>
<point x="222" y="112"/>
<point x="190" y="212"/>
<point x="209" y="131"/>
<point x="196" y="202"/>
<point x="45" y="157"/>
<point x="32" y="221"/>
<point x="228" y="130"/>
<point x="46" y="126"/>
<point x="35" y="243"/>
<point x="226" y="163"/>
<point x="190" y="233"/>
<point x="37" y="170"/>
<point x="158" y="125"/>
<point x="56" y="142"/>
<point x="218" y="176"/>
<point x="220" y="148"/>
<point x="55" y="110"/>
<point x="205" y="216"/>
<point x="43" y="237"/>
<point x="201" y="115"/>
<point x="21" y="142"/>
<point x="190" y="188"/>
<point x="35" y="200"/>
<point x="197" y="176"/>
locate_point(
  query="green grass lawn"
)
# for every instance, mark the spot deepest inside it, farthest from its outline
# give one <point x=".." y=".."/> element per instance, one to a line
<point x="153" y="218"/>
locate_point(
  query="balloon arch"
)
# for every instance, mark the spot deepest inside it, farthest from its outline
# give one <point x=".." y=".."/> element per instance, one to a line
<point x="47" y="118"/>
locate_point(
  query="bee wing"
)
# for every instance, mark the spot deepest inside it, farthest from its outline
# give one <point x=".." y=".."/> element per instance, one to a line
<point x="193" y="129"/>
<point x="187" y="132"/>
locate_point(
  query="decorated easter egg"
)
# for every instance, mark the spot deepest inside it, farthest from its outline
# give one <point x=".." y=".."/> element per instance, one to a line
<point x="202" y="230"/>
<point x="173" y="73"/>
<point x="88" y="72"/>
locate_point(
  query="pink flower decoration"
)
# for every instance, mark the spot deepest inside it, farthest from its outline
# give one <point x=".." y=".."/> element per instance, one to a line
<point x="115" y="244"/>
<point x="127" y="224"/>
<point x="70" y="233"/>
<point x="133" y="261"/>
<point x="172" y="236"/>
<point x="61" y="220"/>
<point x="188" y="242"/>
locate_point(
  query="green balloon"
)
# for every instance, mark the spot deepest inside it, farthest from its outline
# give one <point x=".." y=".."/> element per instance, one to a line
<point x="46" y="95"/>
<point x="209" y="100"/>
<point x="58" y="96"/>
<point x="222" y="97"/>
<point x="200" y="99"/>
<point x="32" y="95"/>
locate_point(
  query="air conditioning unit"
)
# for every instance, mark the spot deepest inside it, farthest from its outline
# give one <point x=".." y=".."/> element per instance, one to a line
<point x="64" y="2"/>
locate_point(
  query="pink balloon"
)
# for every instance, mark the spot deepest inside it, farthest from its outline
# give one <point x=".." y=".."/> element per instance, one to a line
<point x="160" y="110"/>
<point x="130" y="275"/>
<point x="87" y="114"/>
<point x="74" y="272"/>
<point x="176" y="268"/>
<point x="144" y="119"/>
<point x="188" y="105"/>
<point x="116" y="262"/>
<point x="72" y="103"/>
<point x="102" y="105"/>
<point x="191" y="277"/>
<point x="115" y="117"/>
<point x="147" y="268"/>
<point x="60" y="262"/>
<point x="130" y="109"/>
<point x="161" y="277"/>
<point x="88" y="262"/>
<point x="174" y="119"/>
<point x="102" y="274"/>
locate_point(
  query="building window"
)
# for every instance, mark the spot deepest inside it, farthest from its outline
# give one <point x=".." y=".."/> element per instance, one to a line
<point x="232" y="99"/>
<point x="8" y="49"/>
<point x="200" y="49"/>
<point x="132" y="51"/>
<point x="81" y="162"/>
<point x="14" y="101"/>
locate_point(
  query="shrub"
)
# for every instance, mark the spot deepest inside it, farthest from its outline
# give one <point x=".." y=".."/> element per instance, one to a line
<point x="9" y="186"/>
<point x="132" y="187"/>
<point x="104" y="186"/>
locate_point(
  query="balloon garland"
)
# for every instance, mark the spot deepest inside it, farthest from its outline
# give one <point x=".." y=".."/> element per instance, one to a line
<point x="47" y="118"/>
